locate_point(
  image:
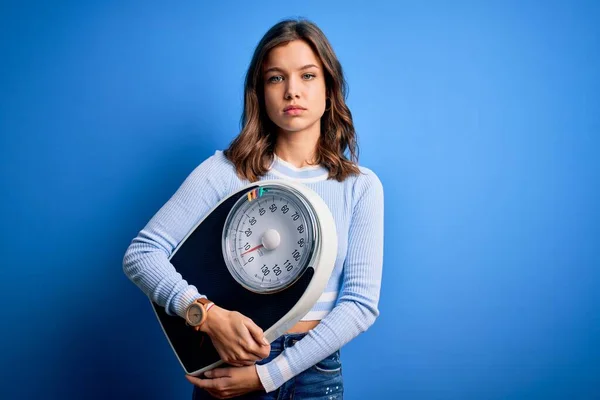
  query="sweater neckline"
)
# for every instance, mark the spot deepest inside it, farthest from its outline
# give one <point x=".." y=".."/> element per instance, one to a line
<point x="309" y="173"/>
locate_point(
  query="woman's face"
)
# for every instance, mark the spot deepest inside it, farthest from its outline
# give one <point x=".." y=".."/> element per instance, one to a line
<point x="294" y="77"/>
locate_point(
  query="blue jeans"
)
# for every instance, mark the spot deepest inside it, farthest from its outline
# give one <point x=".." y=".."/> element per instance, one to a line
<point x="322" y="381"/>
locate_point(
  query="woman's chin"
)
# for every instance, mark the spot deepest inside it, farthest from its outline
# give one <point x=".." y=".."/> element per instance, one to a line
<point x="294" y="126"/>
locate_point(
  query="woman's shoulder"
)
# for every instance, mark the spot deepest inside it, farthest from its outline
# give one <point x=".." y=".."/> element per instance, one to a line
<point x="218" y="159"/>
<point x="366" y="180"/>
<point x="215" y="170"/>
<point x="216" y="163"/>
<point x="367" y="190"/>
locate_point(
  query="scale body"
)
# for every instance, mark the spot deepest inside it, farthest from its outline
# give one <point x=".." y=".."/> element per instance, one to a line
<point x="273" y="278"/>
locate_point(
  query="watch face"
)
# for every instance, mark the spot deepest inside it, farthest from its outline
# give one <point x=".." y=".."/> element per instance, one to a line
<point x="195" y="314"/>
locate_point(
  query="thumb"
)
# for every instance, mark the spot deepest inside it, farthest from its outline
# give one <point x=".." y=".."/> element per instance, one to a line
<point x="218" y="373"/>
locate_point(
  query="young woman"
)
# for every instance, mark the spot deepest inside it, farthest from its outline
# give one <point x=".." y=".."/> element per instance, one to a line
<point x="295" y="125"/>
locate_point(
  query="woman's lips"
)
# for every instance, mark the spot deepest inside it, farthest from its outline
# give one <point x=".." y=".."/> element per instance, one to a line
<point x="294" y="111"/>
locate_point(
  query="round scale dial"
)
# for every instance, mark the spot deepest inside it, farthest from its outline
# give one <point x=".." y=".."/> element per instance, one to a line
<point x="269" y="238"/>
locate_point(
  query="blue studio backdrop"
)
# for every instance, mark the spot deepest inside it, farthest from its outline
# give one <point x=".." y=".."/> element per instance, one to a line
<point x="482" y="120"/>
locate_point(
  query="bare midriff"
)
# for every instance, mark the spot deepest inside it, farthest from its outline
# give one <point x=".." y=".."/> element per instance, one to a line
<point x="303" y="326"/>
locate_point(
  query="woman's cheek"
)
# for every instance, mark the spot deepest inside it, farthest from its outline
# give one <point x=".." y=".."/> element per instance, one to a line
<point x="271" y="108"/>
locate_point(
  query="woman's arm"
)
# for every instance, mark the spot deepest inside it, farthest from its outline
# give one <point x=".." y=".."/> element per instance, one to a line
<point x="356" y="309"/>
<point x="146" y="261"/>
<point x="238" y="340"/>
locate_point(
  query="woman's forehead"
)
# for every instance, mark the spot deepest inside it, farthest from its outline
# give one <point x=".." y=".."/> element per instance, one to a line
<point x="294" y="55"/>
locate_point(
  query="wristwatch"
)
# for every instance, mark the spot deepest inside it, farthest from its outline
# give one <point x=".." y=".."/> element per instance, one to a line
<point x="196" y="313"/>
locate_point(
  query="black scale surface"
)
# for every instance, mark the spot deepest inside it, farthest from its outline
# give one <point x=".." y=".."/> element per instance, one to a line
<point x="200" y="262"/>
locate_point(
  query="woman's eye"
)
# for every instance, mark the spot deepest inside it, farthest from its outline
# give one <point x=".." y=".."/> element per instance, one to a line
<point x="275" y="79"/>
<point x="308" y="76"/>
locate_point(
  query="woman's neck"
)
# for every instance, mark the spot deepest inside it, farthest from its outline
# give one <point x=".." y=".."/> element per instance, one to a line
<point x="297" y="148"/>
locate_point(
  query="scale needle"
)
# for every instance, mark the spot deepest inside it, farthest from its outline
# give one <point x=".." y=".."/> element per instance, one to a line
<point x="252" y="249"/>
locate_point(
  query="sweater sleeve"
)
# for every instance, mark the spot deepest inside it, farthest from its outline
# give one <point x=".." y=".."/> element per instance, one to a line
<point x="356" y="308"/>
<point x="146" y="261"/>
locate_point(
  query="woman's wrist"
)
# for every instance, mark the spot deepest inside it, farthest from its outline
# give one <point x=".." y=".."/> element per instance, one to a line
<point x="214" y="315"/>
<point x="258" y="382"/>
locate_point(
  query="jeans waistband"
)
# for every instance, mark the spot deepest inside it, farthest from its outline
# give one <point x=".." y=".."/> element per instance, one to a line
<point x="286" y="340"/>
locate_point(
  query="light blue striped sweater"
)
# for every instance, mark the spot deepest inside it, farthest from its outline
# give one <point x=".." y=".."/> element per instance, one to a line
<point x="347" y="307"/>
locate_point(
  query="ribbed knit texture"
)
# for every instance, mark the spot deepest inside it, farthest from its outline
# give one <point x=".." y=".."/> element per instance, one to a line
<point x="347" y="307"/>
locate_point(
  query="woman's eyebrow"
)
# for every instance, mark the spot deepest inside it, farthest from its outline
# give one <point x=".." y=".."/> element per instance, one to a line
<point x="299" y="69"/>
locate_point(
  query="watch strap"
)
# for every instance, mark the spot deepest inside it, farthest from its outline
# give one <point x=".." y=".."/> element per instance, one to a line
<point x="204" y="301"/>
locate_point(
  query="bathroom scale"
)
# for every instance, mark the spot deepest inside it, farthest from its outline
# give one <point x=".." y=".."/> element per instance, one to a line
<point x="266" y="251"/>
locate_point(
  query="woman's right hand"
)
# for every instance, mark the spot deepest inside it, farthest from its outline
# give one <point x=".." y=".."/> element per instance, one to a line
<point x="237" y="339"/>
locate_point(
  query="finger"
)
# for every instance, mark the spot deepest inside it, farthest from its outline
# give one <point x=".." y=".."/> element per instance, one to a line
<point x="260" y="351"/>
<point x="231" y="358"/>
<point x="218" y="373"/>
<point x="241" y="363"/>
<point x="255" y="350"/>
<point x="238" y="363"/>
<point x="203" y="383"/>
<point x="256" y="332"/>
<point x="251" y="352"/>
<point x="214" y="394"/>
<point x="219" y="395"/>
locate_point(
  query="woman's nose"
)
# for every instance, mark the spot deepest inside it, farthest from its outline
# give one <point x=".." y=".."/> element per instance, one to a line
<point x="292" y="90"/>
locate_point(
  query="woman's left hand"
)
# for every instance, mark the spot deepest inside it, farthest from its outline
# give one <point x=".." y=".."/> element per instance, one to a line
<point x="224" y="383"/>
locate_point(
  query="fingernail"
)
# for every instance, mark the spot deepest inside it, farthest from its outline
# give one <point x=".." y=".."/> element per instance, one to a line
<point x="265" y="341"/>
<point x="207" y="374"/>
